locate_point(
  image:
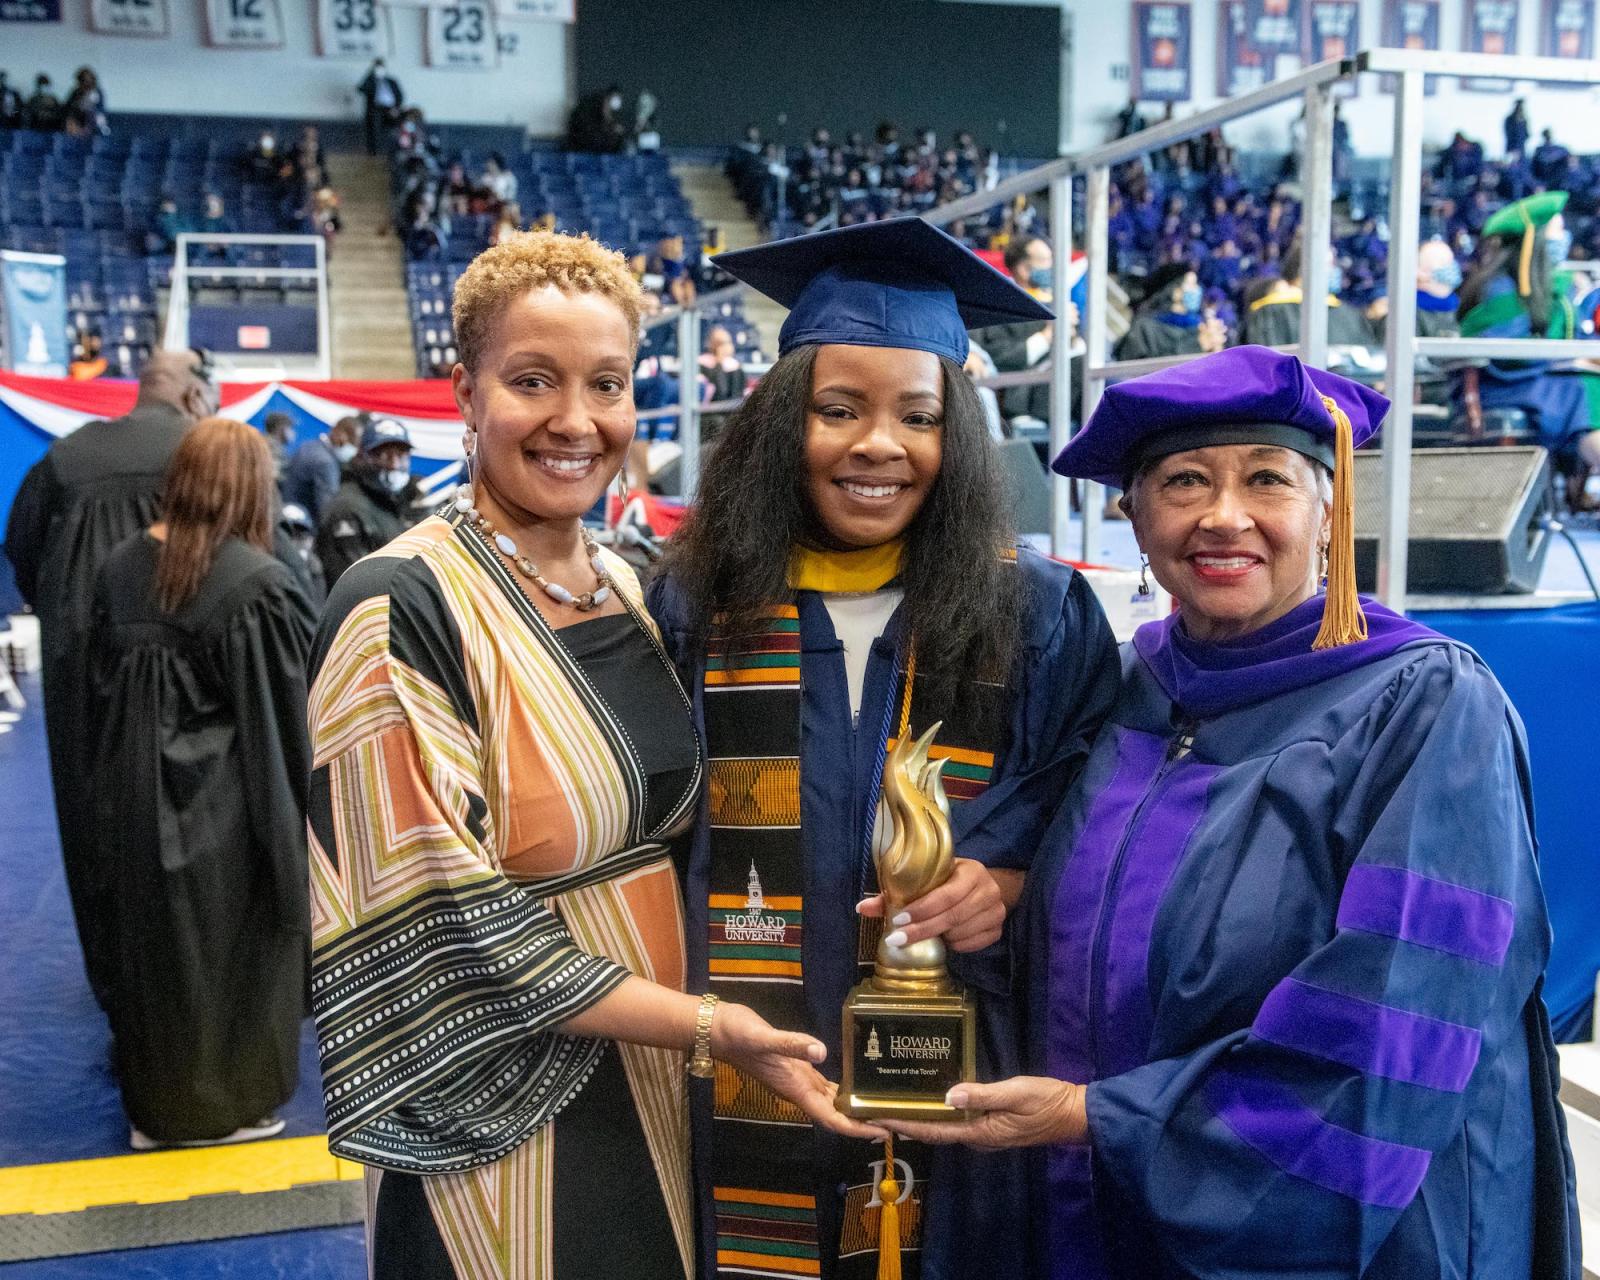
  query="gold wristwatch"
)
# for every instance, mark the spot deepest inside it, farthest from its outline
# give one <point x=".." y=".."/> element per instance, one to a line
<point x="700" y="1064"/>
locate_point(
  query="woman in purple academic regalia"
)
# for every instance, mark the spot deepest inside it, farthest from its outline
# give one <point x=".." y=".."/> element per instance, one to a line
<point x="1285" y="939"/>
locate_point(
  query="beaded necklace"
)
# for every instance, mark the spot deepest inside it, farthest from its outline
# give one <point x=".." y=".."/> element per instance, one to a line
<point x="465" y="503"/>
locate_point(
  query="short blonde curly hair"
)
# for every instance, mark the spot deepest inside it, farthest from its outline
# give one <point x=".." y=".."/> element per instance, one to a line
<point x="531" y="260"/>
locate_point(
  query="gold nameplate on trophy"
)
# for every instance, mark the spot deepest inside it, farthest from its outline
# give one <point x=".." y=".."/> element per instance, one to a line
<point x="908" y="1030"/>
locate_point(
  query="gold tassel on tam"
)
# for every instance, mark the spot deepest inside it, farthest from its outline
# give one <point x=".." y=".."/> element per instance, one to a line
<point x="1525" y="263"/>
<point x="1342" y="619"/>
<point x="889" y="1218"/>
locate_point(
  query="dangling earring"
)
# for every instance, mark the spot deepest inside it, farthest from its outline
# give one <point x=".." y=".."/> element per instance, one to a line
<point x="1144" y="576"/>
<point x="465" y="496"/>
<point x="1322" y="565"/>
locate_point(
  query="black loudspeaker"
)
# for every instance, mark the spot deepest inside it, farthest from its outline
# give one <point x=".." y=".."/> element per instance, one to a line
<point x="1477" y="520"/>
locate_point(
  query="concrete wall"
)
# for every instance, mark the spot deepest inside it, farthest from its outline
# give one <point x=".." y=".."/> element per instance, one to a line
<point x="180" y="74"/>
<point x="1103" y="45"/>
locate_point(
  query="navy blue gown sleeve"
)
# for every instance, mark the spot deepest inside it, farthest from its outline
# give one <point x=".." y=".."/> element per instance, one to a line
<point x="1066" y="683"/>
<point x="1293" y="1147"/>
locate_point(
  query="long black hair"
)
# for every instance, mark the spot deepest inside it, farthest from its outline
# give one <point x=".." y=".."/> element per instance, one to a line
<point x="963" y="601"/>
<point x="1502" y="256"/>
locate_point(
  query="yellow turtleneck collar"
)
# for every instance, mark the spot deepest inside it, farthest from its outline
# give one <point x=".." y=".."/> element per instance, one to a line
<point x="837" y="572"/>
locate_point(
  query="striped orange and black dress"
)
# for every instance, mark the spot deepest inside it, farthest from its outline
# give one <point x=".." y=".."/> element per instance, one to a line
<point x="491" y="811"/>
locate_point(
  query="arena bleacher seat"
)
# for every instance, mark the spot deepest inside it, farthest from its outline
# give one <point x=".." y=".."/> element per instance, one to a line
<point x="96" y="201"/>
<point x="628" y="202"/>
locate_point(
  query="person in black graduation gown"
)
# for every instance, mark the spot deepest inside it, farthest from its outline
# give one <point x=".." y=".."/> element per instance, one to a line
<point x="91" y="490"/>
<point x="1170" y="321"/>
<point x="197" y="801"/>
<point x="1273" y="320"/>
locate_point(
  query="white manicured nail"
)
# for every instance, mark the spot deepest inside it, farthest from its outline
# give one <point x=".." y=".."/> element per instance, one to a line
<point x="902" y="919"/>
<point x="897" y="938"/>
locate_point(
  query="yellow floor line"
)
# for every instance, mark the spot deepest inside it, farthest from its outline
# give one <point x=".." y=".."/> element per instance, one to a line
<point x="158" y="1177"/>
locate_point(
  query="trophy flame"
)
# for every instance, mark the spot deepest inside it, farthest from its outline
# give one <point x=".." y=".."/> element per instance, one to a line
<point x="914" y="854"/>
<point x="909" y="1032"/>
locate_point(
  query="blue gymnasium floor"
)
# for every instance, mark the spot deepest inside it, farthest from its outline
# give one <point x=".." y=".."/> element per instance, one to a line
<point x="58" y="1100"/>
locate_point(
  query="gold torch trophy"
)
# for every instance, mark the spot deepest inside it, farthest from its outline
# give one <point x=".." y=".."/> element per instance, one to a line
<point x="908" y="1030"/>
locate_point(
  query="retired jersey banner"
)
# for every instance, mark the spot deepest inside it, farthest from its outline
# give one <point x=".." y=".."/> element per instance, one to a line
<point x="1277" y="32"/>
<point x="128" y="17"/>
<point x="244" y="24"/>
<point x="1162" y="50"/>
<point x="1411" y="24"/>
<point x="1334" y="29"/>
<point x="1568" y="29"/>
<point x="1490" y="27"/>
<point x="1241" y="67"/>
<point x="352" y="29"/>
<point x="462" y="36"/>
<point x="33" y="292"/>
<point x="30" y="10"/>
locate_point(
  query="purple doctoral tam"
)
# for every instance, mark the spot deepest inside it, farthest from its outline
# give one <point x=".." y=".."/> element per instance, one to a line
<point x="1244" y="395"/>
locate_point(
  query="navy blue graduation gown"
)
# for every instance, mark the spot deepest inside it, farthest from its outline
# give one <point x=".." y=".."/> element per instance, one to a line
<point x="1290" y="929"/>
<point x="1066" y="679"/>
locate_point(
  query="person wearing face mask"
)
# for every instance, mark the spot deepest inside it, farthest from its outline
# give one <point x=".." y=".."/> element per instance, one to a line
<point x="294" y="543"/>
<point x="313" y="473"/>
<point x="846" y="577"/>
<point x="374" y="504"/>
<point x="1171" y="322"/>
<point x="382" y="102"/>
<point x="1273" y="320"/>
<point x="91" y="490"/>
<point x="1438" y="278"/>
<point x="1013" y="347"/>
<point x="503" y="764"/>
<point x="1517" y="290"/>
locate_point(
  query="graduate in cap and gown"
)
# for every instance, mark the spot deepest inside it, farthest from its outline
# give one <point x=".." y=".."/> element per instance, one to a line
<point x="847" y="577"/>
<point x="1284" y="942"/>
<point x="1516" y="291"/>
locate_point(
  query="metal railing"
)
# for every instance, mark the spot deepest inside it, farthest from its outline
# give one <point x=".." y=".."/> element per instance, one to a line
<point x="1401" y="345"/>
<point x="186" y="272"/>
<point x="1315" y="87"/>
<point x="688" y="410"/>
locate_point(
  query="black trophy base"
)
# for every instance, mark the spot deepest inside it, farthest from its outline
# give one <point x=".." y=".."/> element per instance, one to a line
<point x="903" y="1053"/>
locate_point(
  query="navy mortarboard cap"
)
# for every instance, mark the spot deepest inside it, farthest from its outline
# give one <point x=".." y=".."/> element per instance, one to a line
<point x="382" y="431"/>
<point x="897" y="283"/>
<point x="1244" y="395"/>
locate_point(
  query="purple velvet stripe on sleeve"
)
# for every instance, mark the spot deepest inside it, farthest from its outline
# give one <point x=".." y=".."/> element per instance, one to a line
<point x="1372" y="1038"/>
<point x="1431" y="913"/>
<point x="1277" y="1125"/>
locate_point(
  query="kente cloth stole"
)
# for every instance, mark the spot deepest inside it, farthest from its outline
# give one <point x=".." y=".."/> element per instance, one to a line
<point x="762" y="1174"/>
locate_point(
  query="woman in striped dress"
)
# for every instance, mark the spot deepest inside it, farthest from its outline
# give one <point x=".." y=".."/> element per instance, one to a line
<point x="503" y="758"/>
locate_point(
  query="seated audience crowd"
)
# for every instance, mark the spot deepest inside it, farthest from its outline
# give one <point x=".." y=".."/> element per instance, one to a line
<point x="115" y="202"/>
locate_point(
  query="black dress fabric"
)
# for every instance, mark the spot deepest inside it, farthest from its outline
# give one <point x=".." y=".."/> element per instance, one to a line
<point x="600" y="1151"/>
<point x="198" y="884"/>
<point x="644" y="695"/>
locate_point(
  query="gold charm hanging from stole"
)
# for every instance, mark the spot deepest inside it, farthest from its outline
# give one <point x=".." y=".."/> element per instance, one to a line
<point x="909" y="1032"/>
